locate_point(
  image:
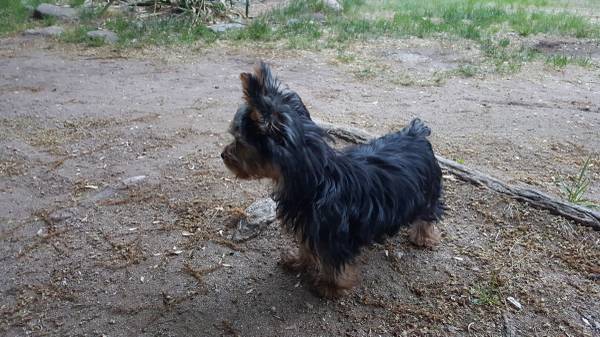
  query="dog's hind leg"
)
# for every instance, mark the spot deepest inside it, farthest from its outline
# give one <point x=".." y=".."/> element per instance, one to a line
<point x="424" y="234"/>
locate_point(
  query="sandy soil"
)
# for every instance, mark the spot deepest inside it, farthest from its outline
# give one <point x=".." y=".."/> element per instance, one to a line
<point x="82" y="255"/>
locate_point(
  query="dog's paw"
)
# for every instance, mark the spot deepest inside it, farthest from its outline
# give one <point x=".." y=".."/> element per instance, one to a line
<point x="424" y="234"/>
<point x="328" y="290"/>
<point x="291" y="261"/>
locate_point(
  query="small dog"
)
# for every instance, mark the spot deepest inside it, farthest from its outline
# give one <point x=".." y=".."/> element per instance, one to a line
<point x="333" y="201"/>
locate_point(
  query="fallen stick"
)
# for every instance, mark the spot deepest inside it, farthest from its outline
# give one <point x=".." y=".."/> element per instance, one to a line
<point x="579" y="214"/>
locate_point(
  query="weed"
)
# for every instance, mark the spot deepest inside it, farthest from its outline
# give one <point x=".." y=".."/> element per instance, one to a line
<point x="364" y="73"/>
<point x="575" y="190"/>
<point x="344" y="57"/>
<point x="488" y="292"/>
<point x="558" y="61"/>
<point x="466" y="70"/>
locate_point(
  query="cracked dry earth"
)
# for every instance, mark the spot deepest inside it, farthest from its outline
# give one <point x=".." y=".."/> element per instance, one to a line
<point x="90" y="248"/>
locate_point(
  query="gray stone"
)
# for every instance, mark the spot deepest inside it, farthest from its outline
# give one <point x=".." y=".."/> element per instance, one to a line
<point x="333" y="4"/>
<point x="45" y="31"/>
<point x="223" y="27"/>
<point x="106" y="35"/>
<point x="292" y="21"/>
<point x="64" y="13"/>
<point x="62" y="214"/>
<point x="258" y="216"/>
<point x="131" y="181"/>
<point x="104" y="194"/>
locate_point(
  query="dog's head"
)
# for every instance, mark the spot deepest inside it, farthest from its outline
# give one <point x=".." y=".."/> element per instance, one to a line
<point x="267" y="126"/>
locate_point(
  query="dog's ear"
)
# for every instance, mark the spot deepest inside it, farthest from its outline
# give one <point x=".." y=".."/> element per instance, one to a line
<point x="268" y="83"/>
<point x="251" y="88"/>
<point x="261" y="93"/>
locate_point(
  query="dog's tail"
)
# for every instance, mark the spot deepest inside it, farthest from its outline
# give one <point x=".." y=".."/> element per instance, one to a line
<point x="416" y="128"/>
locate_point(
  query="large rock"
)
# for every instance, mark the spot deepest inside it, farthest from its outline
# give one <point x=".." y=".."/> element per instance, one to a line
<point x="63" y="13"/>
<point x="106" y="35"/>
<point x="223" y="27"/>
<point x="45" y="31"/>
<point x="258" y="216"/>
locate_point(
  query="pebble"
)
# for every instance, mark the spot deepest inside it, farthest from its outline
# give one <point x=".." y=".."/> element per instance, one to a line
<point x="106" y="35"/>
<point x="258" y="215"/>
<point x="513" y="301"/>
<point x="223" y="27"/>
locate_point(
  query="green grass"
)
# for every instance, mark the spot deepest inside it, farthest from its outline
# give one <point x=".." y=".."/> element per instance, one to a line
<point x="560" y="62"/>
<point x="487" y="292"/>
<point x="309" y="24"/>
<point x="79" y="35"/>
<point x="76" y="3"/>
<point x="14" y="15"/>
<point x="159" y="31"/>
<point x="575" y="190"/>
<point x="474" y="20"/>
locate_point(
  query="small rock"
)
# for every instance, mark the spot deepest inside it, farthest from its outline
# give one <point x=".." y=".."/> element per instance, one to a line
<point x="106" y="35"/>
<point x="61" y="214"/>
<point x="103" y="194"/>
<point x="63" y="13"/>
<point x="333" y="4"/>
<point x="223" y="27"/>
<point x="513" y="301"/>
<point x="585" y="320"/>
<point x="46" y="31"/>
<point x="292" y="21"/>
<point x="131" y="181"/>
<point x="258" y="216"/>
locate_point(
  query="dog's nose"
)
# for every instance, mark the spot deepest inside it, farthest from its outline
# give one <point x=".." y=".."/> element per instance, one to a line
<point x="222" y="155"/>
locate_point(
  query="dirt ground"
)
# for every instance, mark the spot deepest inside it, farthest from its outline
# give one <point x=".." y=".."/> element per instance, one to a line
<point x="83" y="255"/>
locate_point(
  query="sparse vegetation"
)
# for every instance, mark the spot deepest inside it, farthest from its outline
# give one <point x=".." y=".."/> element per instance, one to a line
<point x="575" y="190"/>
<point x="487" y="292"/>
<point x="14" y="15"/>
<point x="310" y="24"/>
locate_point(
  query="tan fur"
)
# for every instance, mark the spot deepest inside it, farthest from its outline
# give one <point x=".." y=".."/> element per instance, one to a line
<point x="331" y="284"/>
<point x="424" y="234"/>
<point x="327" y="282"/>
<point x="299" y="261"/>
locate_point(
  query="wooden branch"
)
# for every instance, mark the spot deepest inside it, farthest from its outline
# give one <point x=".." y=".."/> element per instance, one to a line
<point x="579" y="214"/>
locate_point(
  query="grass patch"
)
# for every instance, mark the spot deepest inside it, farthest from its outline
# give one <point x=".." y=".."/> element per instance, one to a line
<point x="560" y="62"/>
<point x="79" y="35"/>
<point x="309" y="24"/>
<point x="76" y="3"/>
<point x="467" y="70"/>
<point x="15" y="16"/>
<point x="487" y="293"/>
<point x="158" y="31"/>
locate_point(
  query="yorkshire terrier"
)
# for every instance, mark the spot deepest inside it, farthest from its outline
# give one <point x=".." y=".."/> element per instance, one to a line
<point x="333" y="201"/>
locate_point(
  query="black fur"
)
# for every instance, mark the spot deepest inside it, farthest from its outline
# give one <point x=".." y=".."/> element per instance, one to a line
<point x="338" y="201"/>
